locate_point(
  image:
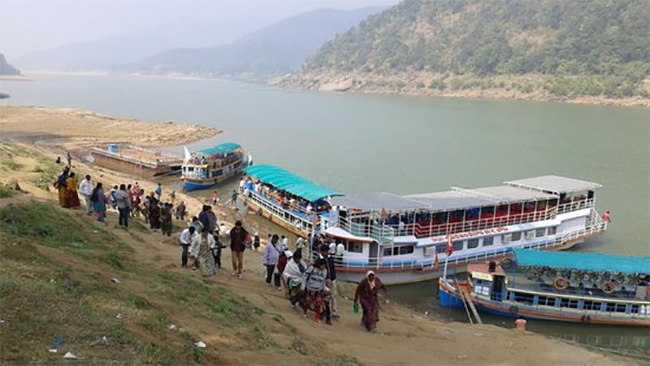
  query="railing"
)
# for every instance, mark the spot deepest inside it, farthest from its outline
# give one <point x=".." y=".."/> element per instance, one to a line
<point x="596" y="227"/>
<point x="278" y="212"/>
<point x="380" y="232"/>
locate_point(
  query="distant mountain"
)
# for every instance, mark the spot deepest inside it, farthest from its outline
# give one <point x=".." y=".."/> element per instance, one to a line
<point x="274" y="50"/>
<point x="6" y="68"/>
<point x="548" y="48"/>
<point x="110" y="53"/>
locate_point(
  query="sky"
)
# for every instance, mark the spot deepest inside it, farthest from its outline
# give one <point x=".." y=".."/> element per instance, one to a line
<point x="34" y="25"/>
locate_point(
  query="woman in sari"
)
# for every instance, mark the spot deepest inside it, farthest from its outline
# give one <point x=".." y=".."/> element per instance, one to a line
<point x="366" y="294"/>
<point x="201" y="253"/>
<point x="71" y="196"/>
<point x="293" y="275"/>
<point x="316" y="291"/>
<point x="99" y="202"/>
<point x="154" y="213"/>
<point x="60" y="185"/>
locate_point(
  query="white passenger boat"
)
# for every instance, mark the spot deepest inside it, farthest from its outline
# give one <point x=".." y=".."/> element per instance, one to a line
<point x="404" y="238"/>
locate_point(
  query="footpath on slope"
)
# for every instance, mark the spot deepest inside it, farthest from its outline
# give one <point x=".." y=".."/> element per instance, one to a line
<point x="241" y="321"/>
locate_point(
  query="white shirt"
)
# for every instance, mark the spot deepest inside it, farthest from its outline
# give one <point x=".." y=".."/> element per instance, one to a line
<point x="186" y="238"/>
<point x="86" y="187"/>
<point x="198" y="241"/>
<point x="285" y="243"/>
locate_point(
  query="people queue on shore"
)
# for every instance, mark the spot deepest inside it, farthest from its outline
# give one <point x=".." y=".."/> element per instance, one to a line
<point x="309" y="285"/>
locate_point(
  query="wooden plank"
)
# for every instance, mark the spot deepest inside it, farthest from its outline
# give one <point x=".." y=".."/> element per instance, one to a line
<point x="467" y="297"/>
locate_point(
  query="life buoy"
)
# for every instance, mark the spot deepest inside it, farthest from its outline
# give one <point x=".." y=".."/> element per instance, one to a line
<point x="608" y="287"/>
<point x="560" y="283"/>
<point x="514" y="309"/>
<point x="507" y="263"/>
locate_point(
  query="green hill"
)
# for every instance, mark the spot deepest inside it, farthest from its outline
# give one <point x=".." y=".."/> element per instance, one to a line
<point x="562" y="48"/>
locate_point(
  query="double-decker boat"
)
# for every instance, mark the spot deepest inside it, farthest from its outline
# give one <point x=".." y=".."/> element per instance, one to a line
<point x="206" y="168"/>
<point x="286" y="199"/>
<point x="573" y="287"/>
<point x="404" y="238"/>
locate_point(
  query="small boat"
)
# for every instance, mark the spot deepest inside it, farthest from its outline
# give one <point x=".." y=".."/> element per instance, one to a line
<point x="209" y="167"/>
<point x="286" y="199"/>
<point x="136" y="160"/>
<point x="571" y="287"/>
<point x="402" y="238"/>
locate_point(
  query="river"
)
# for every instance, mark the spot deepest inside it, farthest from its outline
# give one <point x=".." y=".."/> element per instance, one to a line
<point x="400" y="144"/>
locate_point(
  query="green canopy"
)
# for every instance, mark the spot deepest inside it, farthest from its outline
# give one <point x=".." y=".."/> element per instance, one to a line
<point x="595" y="262"/>
<point x="287" y="181"/>
<point x="221" y="149"/>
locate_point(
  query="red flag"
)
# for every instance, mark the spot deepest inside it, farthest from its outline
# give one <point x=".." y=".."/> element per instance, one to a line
<point x="450" y="246"/>
<point x="435" y="261"/>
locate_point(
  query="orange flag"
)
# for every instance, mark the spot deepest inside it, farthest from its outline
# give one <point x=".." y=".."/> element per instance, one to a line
<point x="435" y="261"/>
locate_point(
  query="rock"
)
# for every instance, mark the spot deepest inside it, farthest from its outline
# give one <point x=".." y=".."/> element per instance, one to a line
<point x="115" y="280"/>
<point x="70" y="356"/>
<point x="200" y="344"/>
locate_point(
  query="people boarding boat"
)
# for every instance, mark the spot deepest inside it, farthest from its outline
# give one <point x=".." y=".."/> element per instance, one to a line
<point x="404" y="238"/>
<point x="209" y="167"/>
<point x="286" y="199"/>
<point x="572" y="287"/>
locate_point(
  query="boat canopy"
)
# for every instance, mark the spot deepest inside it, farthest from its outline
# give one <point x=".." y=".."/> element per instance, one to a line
<point x="221" y="149"/>
<point x="287" y="181"/>
<point x="593" y="262"/>
<point x="554" y="184"/>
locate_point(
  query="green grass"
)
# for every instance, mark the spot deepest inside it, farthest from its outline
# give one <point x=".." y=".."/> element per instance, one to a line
<point x="12" y="165"/>
<point x="6" y="191"/>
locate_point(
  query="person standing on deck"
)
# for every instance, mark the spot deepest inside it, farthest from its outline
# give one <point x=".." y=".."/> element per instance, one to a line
<point x="123" y="205"/>
<point x="86" y="188"/>
<point x="185" y="240"/>
<point x="606" y="217"/>
<point x="159" y="191"/>
<point x="271" y="256"/>
<point x="238" y="238"/>
<point x="366" y="294"/>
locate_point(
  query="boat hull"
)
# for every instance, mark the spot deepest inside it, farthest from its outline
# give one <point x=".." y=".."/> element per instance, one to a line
<point x="196" y="186"/>
<point x="448" y="297"/>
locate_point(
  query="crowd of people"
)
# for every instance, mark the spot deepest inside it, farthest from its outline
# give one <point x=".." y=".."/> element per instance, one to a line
<point x="309" y="282"/>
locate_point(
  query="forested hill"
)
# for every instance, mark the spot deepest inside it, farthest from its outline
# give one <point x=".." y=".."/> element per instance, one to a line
<point x="559" y="48"/>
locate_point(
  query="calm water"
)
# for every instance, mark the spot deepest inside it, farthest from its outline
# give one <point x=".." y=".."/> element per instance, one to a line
<point x="403" y="145"/>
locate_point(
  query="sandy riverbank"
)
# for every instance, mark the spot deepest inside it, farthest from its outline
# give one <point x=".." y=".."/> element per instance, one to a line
<point x="404" y="337"/>
<point x="76" y="129"/>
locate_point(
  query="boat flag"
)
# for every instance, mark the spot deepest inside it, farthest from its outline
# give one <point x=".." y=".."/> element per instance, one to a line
<point x="450" y="246"/>
<point x="435" y="260"/>
<point x="188" y="156"/>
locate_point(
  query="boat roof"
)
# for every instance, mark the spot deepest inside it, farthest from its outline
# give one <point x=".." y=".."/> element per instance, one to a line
<point x="287" y="181"/>
<point x="221" y="149"/>
<point x="554" y="184"/>
<point x="441" y="201"/>
<point x="594" y="262"/>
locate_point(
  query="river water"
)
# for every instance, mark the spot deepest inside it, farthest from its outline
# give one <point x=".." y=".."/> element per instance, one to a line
<point x="403" y="145"/>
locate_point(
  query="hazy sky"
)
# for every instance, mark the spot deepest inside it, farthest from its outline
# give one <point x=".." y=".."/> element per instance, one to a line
<point x="33" y="25"/>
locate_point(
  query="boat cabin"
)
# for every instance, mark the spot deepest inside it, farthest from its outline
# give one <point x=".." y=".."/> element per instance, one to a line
<point x="214" y="162"/>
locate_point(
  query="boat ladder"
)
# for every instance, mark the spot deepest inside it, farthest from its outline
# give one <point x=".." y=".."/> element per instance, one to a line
<point x="469" y="305"/>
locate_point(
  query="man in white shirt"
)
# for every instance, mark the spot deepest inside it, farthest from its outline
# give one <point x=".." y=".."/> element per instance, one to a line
<point x="185" y="240"/>
<point x="86" y="187"/>
<point x="285" y="243"/>
<point x="205" y="239"/>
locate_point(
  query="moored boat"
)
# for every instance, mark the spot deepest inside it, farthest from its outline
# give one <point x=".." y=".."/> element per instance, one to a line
<point x="572" y="287"/>
<point x="404" y="238"/>
<point x="209" y="167"/>
<point x="136" y="160"/>
<point x="286" y="199"/>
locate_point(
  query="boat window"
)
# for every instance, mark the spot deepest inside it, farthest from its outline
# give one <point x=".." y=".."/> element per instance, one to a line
<point x="616" y="307"/>
<point x="552" y="230"/>
<point x="406" y="249"/>
<point x="472" y="243"/>
<point x="591" y="305"/>
<point x="488" y="241"/>
<point x="354" y="247"/>
<point x="458" y="245"/>
<point x="441" y="248"/>
<point x="387" y="252"/>
<point x="440" y="218"/>
<point x="540" y="232"/>
<point x="569" y="303"/>
<point x="524" y="298"/>
<point x="516" y="236"/>
<point x="634" y="308"/>
<point x="546" y="301"/>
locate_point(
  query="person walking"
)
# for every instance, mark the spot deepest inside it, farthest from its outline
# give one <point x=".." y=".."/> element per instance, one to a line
<point x="113" y="198"/>
<point x="185" y="240"/>
<point x="606" y="217"/>
<point x="238" y="238"/>
<point x="201" y="253"/>
<point x="69" y="157"/>
<point x="98" y="198"/>
<point x="316" y="292"/>
<point x="154" y="212"/>
<point x="60" y="185"/>
<point x="181" y="211"/>
<point x="271" y="257"/>
<point x="326" y="253"/>
<point x="215" y="198"/>
<point x="86" y="187"/>
<point x="71" y="196"/>
<point x="123" y="205"/>
<point x="159" y="192"/>
<point x="293" y="277"/>
<point x="166" y="224"/>
<point x="256" y="242"/>
<point x="204" y="217"/>
<point x="366" y="294"/>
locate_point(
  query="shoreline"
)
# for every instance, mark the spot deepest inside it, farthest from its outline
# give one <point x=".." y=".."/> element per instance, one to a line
<point x="77" y="129"/>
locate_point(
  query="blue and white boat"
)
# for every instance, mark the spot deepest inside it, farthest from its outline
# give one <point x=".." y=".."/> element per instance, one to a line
<point x="207" y="168"/>
<point x="572" y="287"/>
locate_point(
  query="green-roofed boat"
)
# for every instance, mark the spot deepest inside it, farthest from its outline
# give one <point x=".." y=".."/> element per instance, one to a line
<point x="288" y="200"/>
<point x="208" y="167"/>
<point x="572" y="287"/>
